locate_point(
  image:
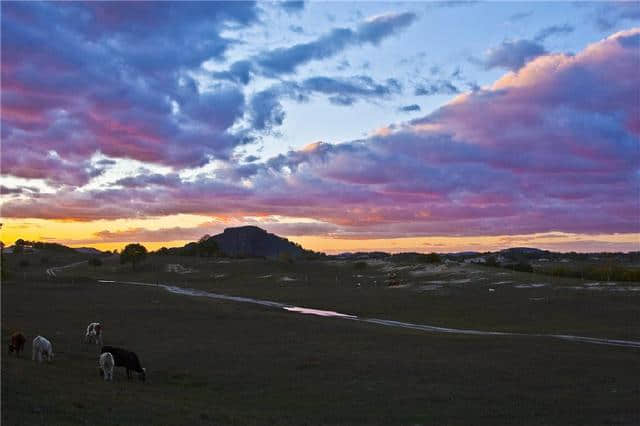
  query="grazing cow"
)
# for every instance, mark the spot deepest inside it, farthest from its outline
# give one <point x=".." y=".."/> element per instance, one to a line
<point x="106" y="364"/>
<point x="41" y="348"/>
<point x="126" y="359"/>
<point x="17" y="343"/>
<point x="94" y="333"/>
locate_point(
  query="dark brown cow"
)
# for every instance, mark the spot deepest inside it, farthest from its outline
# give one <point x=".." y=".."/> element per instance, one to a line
<point x="17" y="343"/>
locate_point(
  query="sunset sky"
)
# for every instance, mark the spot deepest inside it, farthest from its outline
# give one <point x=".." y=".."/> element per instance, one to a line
<point x="417" y="126"/>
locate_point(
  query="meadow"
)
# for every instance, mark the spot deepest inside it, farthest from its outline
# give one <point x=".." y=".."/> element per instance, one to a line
<point x="218" y="362"/>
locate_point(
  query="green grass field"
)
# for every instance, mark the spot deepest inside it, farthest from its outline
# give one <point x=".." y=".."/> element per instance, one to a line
<point x="217" y="362"/>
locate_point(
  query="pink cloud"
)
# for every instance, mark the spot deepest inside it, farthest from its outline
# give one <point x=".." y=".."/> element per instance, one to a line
<point x="553" y="147"/>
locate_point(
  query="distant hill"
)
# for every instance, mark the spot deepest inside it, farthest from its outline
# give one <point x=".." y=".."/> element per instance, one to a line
<point x="89" y="250"/>
<point x="464" y="253"/>
<point x="524" y="251"/>
<point x="243" y="241"/>
<point x="252" y="241"/>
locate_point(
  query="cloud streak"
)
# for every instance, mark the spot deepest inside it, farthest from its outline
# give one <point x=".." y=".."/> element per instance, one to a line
<point x="286" y="60"/>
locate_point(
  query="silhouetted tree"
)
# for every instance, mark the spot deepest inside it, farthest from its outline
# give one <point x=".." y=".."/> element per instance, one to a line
<point x="207" y="246"/>
<point x="433" y="258"/>
<point x="133" y="253"/>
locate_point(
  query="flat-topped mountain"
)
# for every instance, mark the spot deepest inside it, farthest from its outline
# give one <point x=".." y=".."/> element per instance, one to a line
<point x="252" y="241"/>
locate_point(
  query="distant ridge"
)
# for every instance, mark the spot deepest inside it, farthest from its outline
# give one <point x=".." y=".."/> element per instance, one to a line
<point x="88" y="250"/>
<point x="523" y="250"/>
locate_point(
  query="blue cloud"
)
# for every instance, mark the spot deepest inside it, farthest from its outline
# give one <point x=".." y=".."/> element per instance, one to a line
<point x="409" y="108"/>
<point x="359" y="85"/>
<point x="437" y="87"/>
<point x="292" y="6"/>
<point x="513" y="54"/>
<point x="265" y="111"/>
<point x="546" y="32"/>
<point x="285" y="60"/>
<point x="630" y="42"/>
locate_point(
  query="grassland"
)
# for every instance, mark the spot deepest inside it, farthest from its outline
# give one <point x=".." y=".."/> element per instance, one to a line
<point x="216" y="362"/>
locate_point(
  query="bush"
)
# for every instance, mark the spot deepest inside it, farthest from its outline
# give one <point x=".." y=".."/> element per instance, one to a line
<point x="492" y="261"/>
<point x="133" y="253"/>
<point x="523" y="267"/>
<point x="433" y="258"/>
<point x="360" y="265"/>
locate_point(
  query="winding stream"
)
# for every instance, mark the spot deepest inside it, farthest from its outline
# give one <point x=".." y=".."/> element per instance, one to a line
<point x="383" y="322"/>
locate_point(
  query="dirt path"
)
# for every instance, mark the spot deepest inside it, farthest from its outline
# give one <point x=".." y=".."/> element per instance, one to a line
<point x="51" y="272"/>
<point x="377" y="321"/>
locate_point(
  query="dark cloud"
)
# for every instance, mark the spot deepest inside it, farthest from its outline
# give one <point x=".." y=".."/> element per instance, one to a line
<point x="512" y="54"/>
<point x="148" y="180"/>
<point x="362" y="86"/>
<point x="520" y="16"/>
<point x="116" y="84"/>
<point x="4" y="190"/>
<point x="612" y="13"/>
<point x="342" y="99"/>
<point x="292" y="6"/>
<point x="436" y="87"/>
<point x="546" y="32"/>
<point x="285" y="60"/>
<point x="453" y="3"/>
<point x="409" y="108"/>
<point x="266" y="111"/>
<point x="630" y="42"/>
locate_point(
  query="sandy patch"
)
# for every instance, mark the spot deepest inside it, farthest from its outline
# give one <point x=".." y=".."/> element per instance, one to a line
<point x="431" y="287"/>
<point x="287" y="279"/>
<point x="530" y="285"/>
<point x="178" y="269"/>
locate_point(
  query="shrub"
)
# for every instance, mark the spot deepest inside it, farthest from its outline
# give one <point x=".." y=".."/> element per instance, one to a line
<point x="433" y="258"/>
<point x="523" y="267"/>
<point x="95" y="262"/>
<point x="360" y="265"/>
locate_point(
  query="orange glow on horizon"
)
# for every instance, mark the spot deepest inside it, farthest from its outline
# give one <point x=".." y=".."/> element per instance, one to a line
<point x="83" y="234"/>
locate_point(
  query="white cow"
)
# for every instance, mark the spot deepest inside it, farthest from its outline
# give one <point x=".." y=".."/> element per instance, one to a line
<point x="94" y="333"/>
<point x="41" y="348"/>
<point x="106" y="364"/>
